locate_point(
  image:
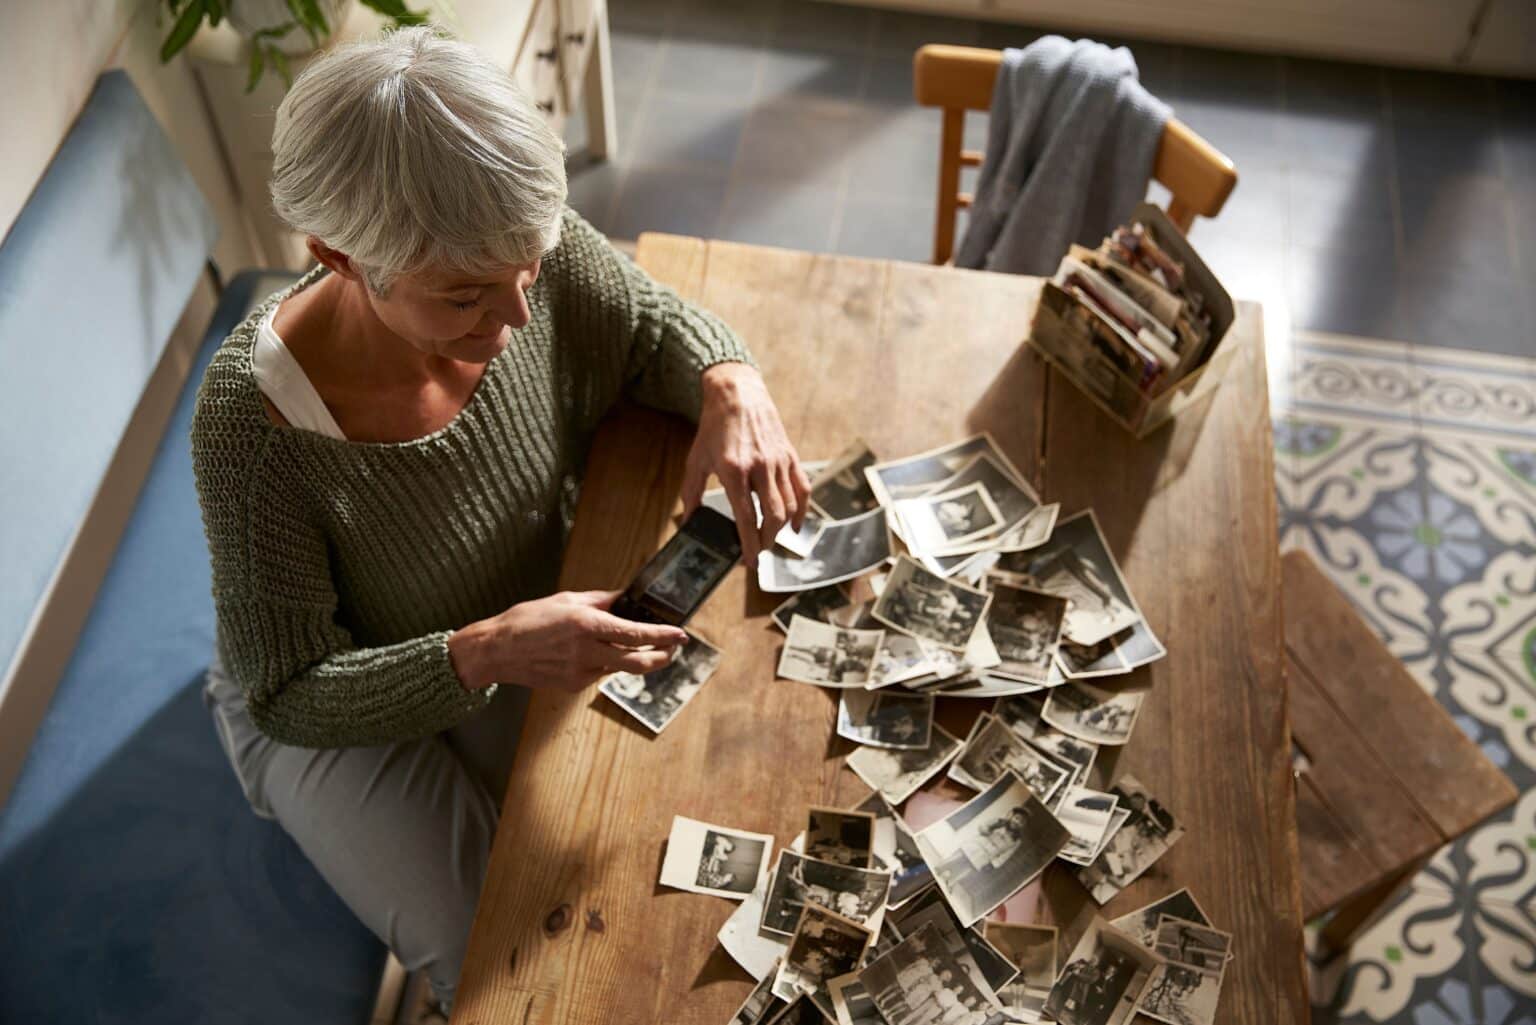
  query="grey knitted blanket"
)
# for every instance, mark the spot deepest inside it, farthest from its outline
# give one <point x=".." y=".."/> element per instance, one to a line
<point x="1070" y="147"/>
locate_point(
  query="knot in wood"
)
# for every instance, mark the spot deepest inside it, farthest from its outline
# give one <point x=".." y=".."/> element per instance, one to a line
<point x="558" y="920"/>
<point x="595" y="920"/>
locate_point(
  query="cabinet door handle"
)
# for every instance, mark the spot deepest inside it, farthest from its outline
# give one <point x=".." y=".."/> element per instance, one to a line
<point x="548" y="55"/>
<point x="576" y="37"/>
<point x="547" y="106"/>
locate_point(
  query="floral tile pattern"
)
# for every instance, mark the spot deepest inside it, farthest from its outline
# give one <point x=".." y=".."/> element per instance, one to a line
<point x="1410" y="476"/>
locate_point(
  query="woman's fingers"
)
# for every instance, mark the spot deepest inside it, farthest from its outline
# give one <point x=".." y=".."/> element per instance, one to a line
<point x="610" y="629"/>
<point x="794" y="502"/>
<point x="639" y="662"/>
<point x="800" y="481"/>
<point x="765" y="483"/>
<point x="695" y="475"/>
<point x="740" y="496"/>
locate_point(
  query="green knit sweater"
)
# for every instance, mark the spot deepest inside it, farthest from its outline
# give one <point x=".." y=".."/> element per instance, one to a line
<point x="340" y="568"/>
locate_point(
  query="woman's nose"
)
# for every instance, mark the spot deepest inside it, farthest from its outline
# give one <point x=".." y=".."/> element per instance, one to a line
<point x="518" y="314"/>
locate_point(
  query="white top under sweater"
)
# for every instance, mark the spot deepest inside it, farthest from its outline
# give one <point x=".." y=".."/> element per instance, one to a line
<point x="285" y="384"/>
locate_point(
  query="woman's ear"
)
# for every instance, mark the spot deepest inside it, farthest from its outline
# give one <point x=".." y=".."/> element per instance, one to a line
<point x="339" y="262"/>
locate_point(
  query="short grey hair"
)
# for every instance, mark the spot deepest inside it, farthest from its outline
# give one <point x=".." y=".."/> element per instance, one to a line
<point x="415" y="151"/>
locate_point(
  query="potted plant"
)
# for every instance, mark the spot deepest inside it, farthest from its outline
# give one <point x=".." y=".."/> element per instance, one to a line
<point x="269" y="25"/>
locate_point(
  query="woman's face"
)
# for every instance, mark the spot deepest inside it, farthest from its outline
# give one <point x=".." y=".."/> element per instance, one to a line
<point x="456" y="316"/>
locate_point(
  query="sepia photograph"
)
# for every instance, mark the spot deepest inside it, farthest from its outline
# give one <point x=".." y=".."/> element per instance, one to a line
<point x="796" y="542"/>
<point x="845" y="549"/>
<point x="932" y="523"/>
<point x="1186" y="990"/>
<point x="1103" y="979"/>
<point x="855" y="893"/>
<point x="703" y="858"/>
<point x="656" y="698"/>
<point x="817" y="603"/>
<point x="992" y="749"/>
<point x="742" y="938"/>
<point x="929" y="607"/>
<point x="1131" y="648"/>
<point x="897" y="773"/>
<point x="890" y="719"/>
<point x="914" y="475"/>
<point x="841" y="837"/>
<point x="1141" y="924"/>
<point x="988" y="849"/>
<point x="1032" y="950"/>
<point x="901" y="659"/>
<point x="1022" y="714"/>
<point x="825" y="945"/>
<point x="1099" y="716"/>
<point x="827" y="655"/>
<point x="841" y="491"/>
<point x="1025" y="626"/>
<point x="1015" y="500"/>
<point x="851" y="1002"/>
<point x="759" y="1005"/>
<point x="1076" y="563"/>
<point x="967" y="945"/>
<point x="921" y="982"/>
<point x="1087" y="815"/>
<point x="1149" y="830"/>
<point x="910" y="874"/>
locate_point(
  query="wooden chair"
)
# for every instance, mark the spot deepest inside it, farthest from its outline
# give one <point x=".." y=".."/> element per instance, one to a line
<point x="960" y="78"/>
<point x="1388" y="778"/>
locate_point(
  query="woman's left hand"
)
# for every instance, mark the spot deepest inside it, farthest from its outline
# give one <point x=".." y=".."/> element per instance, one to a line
<point x="741" y="440"/>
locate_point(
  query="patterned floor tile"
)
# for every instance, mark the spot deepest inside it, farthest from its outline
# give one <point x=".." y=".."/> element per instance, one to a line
<point x="1353" y="379"/>
<point x="1478" y="394"/>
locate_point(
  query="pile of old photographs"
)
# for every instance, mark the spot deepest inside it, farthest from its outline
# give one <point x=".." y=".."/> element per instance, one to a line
<point x="944" y="574"/>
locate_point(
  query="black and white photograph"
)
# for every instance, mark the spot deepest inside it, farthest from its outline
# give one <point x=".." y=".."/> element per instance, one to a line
<point x="1016" y="501"/>
<point x="799" y="1012"/>
<point x="655" y="698"/>
<point x="827" y="655"/>
<point x="839" y="836"/>
<point x="1131" y="648"/>
<point x="1104" y="717"/>
<point x="817" y="603"/>
<point x="1032" y="950"/>
<point x="892" y="719"/>
<point x="988" y="849"/>
<point x="1076" y="563"/>
<point x="921" y="982"/>
<point x="915" y="475"/>
<point x="910" y="874"/>
<point x="901" y="659"/>
<point x="897" y="773"/>
<point x="1141" y="924"/>
<point x="992" y="749"/>
<point x="851" y="1002"/>
<point x="926" y="605"/>
<point x="933" y="523"/>
<point x="855" y="893"/>
<point x="1087" y="815"/>
<point x="969" y="946"/>
<point x="825" y="945"/>
<point x="686" y="574"/>
<point x="742" y="938"/>
<point x="1022" y="714"/>
<point x="759" y="1005"/>
<point x="840" y="491"/>
<point x="1186" y="990"/>
<point x="1025" y="626"/>
<point x="1116" y="820"/>
<point x="1149" y="830"/>
<point x="705" y="858"/>
<point x="1103" y="980"/>
<point x="845" y="549"/>
<point x="882" y="847"/>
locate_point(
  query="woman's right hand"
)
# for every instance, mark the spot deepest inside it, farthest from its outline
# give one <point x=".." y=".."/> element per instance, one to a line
<point x="566" y="641"/>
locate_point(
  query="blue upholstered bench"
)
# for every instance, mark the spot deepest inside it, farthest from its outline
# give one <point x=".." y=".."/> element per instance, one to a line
<point x="136" y="885"/>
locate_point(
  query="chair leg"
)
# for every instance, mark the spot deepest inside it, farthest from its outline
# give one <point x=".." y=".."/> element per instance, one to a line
<point x="1352" y="917"/>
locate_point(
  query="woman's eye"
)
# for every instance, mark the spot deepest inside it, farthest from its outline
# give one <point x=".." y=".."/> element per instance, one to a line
<point x="463" y="306"/>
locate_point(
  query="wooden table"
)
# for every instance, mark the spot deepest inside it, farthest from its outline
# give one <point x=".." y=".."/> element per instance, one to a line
<point x="572" y="926"/>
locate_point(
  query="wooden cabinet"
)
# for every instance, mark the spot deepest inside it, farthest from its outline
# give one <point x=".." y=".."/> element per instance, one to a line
<point x="556" y="50"/>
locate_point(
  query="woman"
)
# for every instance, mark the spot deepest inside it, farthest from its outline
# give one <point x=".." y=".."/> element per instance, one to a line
<point x="388" y="456"/>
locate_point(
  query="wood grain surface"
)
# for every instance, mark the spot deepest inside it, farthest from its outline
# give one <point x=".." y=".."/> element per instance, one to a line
<point x="572" y="927"/>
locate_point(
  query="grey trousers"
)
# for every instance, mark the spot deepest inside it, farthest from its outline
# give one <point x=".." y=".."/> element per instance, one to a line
<point x="402" y="832"/>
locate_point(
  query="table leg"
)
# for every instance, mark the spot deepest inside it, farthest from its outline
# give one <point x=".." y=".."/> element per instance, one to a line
<point x="1353" y="916"/>
<point x="597" y="91"/>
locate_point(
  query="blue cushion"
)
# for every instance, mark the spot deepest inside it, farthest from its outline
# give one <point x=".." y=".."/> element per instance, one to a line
<point x="136" y="885"/>
<point x="93" y="276"/>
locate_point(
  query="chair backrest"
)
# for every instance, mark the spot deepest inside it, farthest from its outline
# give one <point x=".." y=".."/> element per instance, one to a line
<point x="961" y="78"/>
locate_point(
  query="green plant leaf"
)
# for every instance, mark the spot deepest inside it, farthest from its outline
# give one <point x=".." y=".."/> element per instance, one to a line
<point x="308" y="14"/>
<point x="184" y="29"/>
<point x="396" y="11"/>
<point x="256" y="67"/>
<point x="215" y="11"/>
<point x="279" y="60"/>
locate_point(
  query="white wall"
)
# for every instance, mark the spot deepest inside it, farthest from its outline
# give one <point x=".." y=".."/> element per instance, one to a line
<point x="51" y="52"/>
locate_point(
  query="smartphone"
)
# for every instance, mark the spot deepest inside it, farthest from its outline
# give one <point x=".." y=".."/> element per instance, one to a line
<point x="672" y="586"/>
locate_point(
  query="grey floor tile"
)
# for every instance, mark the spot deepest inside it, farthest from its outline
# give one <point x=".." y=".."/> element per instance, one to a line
<point x="816" y="23"/>
<point x="889" y="80"/>
<point x="802" y="141"/>
<point x="1005" y="35"/>
<point x="1461" y="311"/>
<point x="1338" y="140"/>
<point x="896" y="156"/>
<point x="768" y="213"/>
<point x="1341" y="291"/>
<point x="1324" y="86"/>
<point x="1251" y="139"/>
<point x="1457" y="223"/>
<point x="899" y="32"/>
<point x="739" y="21"/>
<point x="1515" y="114"/>
<point x="807" y="70"/>
<point x="1352" y="212"/>
<point x="634" y="56"/>
<point x="686" y="128"/>
<point x="592" y="185"/>
<point x="1446" y="145"/>
<point x="1246" y="268"/>
<point x="1235" y="80"/>
<point x="649" y="15"/>
<point x="886" y="230"/>
<point x="1256" y="210"/>
<point x="683" y="202"/>
<point x="726" y="70"/>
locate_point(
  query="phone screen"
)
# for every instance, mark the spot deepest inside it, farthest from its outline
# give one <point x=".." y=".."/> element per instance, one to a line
<point x="672" y="586"/>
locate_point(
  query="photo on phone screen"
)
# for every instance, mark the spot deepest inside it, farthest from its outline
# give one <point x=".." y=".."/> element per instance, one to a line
<point x="672" y="586"/>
